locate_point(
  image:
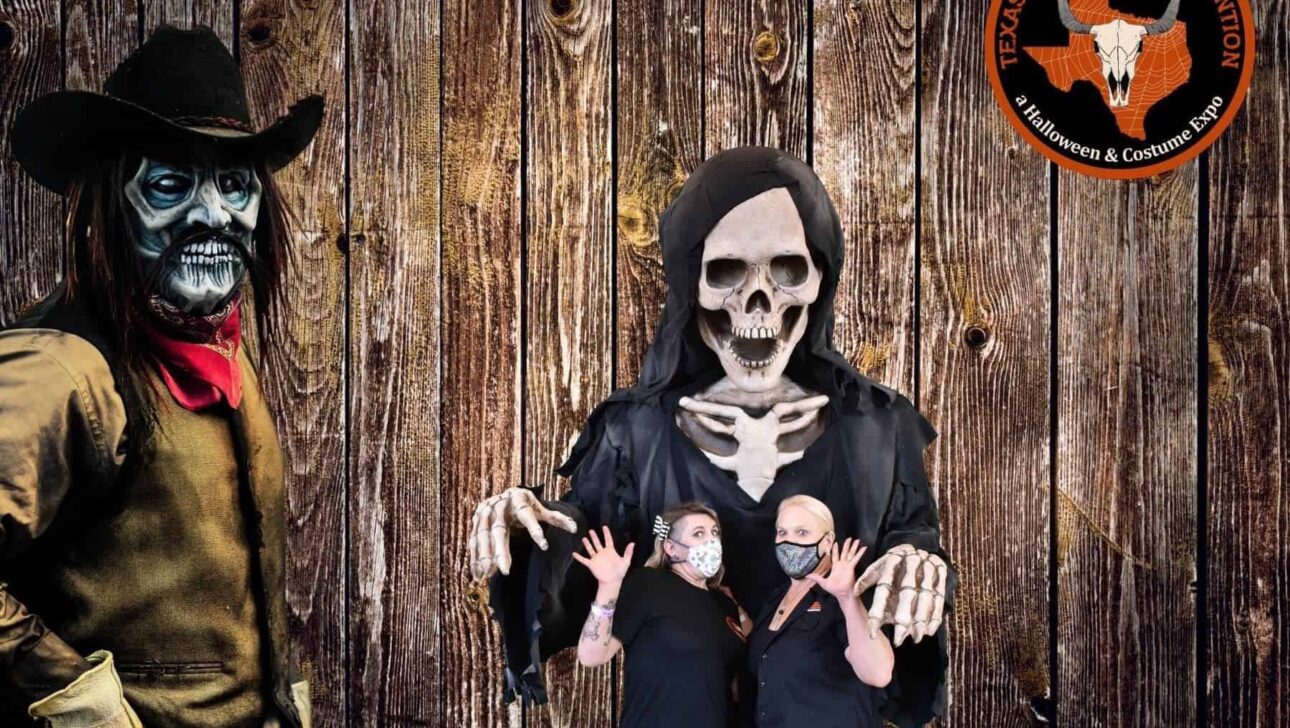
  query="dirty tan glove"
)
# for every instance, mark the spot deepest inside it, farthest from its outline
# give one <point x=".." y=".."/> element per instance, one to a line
<point x="93" y="699"/>
<point x="300" y="697"/>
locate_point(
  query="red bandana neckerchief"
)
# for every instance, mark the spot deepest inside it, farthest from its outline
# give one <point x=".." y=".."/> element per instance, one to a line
<point x="200" y="373"/>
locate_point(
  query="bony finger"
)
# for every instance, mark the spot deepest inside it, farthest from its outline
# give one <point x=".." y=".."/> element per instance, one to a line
<point x="557" y="519"/>
<point x="595" y="539"/>
<point x="502" y="548"/>
<point x="524" y="514"/>
<point x="609" y="539"/>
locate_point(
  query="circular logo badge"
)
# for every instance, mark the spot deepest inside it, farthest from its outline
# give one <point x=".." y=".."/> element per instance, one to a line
<point x="1120" y="88"/>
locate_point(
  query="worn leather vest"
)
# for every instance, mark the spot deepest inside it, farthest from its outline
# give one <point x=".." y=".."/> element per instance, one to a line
<point x="177" y="568"/>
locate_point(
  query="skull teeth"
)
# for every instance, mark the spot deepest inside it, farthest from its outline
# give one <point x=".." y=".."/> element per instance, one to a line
<point x="755" y="332"/>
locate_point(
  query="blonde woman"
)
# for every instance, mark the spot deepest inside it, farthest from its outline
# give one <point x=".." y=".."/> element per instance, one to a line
<point x="682" y="632"/>
<point x="810" y="653"/>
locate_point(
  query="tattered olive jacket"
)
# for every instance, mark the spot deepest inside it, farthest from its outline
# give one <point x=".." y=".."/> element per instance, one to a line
<point x="171" y="558"/>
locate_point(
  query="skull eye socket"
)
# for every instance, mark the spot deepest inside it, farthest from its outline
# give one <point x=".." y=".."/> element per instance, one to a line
<point x="234" y="188"/>
<point x="789" y="270"/>
<point x="167" y="189"/>
<point x="725" y="272"/>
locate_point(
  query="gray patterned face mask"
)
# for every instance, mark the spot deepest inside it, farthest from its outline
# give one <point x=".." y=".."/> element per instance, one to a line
<point x="798" y="559"/>
<point x="706" y="557"/>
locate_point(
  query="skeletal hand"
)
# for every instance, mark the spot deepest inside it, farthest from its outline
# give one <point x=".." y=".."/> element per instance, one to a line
<point x="490" y="529"/>
<point x="758" y="458"/>
<point x="920" y="577"/>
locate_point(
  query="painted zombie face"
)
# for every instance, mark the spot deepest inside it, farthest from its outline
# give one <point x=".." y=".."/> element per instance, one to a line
<point x="757" y="284"/>
<point x="200" y="210"/>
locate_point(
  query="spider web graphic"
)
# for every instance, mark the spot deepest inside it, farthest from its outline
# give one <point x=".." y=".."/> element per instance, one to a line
<point x="1162" y="67"/>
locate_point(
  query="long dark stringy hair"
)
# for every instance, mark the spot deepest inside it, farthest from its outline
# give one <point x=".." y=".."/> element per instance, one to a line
<point x="102" y="277"/>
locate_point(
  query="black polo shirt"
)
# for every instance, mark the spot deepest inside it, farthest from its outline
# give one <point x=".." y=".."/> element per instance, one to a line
<point x="800" y="674"/>
<point x="683" y="649"/>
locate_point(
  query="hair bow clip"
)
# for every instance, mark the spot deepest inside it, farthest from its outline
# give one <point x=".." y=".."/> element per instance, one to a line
<point x="661" y="528"/>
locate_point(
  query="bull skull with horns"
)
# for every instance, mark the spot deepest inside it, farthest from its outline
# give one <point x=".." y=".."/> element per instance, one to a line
<point x="1118" y="44"/>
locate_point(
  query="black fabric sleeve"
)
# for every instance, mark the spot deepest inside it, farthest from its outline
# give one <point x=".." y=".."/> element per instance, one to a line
<point x="543" y="603"/>
<point x="916" y="692"/>
<point x="633" y="606"/>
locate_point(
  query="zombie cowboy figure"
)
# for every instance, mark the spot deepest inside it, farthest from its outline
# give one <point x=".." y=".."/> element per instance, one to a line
<point x="141" y="480"/>
<point x="742" y="402"/>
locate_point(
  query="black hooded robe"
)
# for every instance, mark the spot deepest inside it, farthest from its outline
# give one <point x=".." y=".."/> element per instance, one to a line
<point x="632" y="461"/>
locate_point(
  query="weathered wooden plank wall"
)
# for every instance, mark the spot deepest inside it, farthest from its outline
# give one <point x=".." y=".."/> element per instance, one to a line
<point x="483" y="392"/>
<point x="477" y="266"/>
<point x="1246" y="575"/>
<point x="984" y="369"/>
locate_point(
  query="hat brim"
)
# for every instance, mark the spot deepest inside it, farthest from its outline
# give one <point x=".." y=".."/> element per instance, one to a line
<point x="59" y="134"/>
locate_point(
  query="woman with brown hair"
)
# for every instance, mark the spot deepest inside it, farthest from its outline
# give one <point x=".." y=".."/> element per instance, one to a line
<point x="682" y="631"/>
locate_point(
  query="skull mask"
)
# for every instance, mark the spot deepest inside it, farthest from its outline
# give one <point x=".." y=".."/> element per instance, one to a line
<point x="205" y="211"/>
<point x="757" y="284"/>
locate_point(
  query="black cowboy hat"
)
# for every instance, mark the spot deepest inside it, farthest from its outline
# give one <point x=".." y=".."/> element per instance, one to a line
<point x="177" y="93"/>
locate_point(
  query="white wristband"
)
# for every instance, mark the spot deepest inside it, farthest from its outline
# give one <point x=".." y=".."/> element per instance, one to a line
<point x="601" y="612"/>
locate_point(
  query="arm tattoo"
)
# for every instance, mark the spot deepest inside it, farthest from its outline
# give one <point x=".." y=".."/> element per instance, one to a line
<point x="591" y="628"/>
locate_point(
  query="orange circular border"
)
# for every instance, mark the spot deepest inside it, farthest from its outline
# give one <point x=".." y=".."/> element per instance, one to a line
<point x="1205" y="142"/>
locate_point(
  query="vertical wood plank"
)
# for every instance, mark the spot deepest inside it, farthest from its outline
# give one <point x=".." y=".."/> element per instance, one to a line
<point x="1126" y="454"/>
<point x="660" y="141"/>
<point x="394" y="491"/>
<point x="1248" y="481"/>
<point x="755" y="65"/>
<point x="216" y="14"/>
<point x="482" y="303"/>
<point x="568" y="297"/>
<point x="99" y="35"/>
<point x="289" y="50"/>
<point x="31" y="64"/>
<point x="984" y="371"/>
<point x="864" y="99"/>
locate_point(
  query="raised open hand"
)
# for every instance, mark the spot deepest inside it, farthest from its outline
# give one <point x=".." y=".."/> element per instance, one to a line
<point x="842" y="575"/>
<point x="602" y="560"/>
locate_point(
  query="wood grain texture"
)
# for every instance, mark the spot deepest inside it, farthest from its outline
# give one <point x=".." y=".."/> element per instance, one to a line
<point x="863" y="141"/>
<point x="289" y="50"/>
<point x="1126" y="452"/>
<point x="568" y="298"/>
<point x="30" y="233"/>
<point x="99" y="35"/>
<point x="1247" y="522"/>
<point x="755" y="87"/>
<point x="482" y="301"/>
<point x="984" y="371"/>
<point x="394" y="492"/>
<point x="215" y="14"/>
<point x="659" y="142"/>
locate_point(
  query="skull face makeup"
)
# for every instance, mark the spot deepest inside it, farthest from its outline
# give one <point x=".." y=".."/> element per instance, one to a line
<point x="207" y="211"/>
<point x="757" y="283"/>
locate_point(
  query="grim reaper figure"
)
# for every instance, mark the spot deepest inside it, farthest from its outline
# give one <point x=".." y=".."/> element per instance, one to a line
<point x="742" y="402"/>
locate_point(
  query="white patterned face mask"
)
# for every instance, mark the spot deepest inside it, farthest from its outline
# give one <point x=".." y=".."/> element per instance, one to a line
<point x="705" y="557"/>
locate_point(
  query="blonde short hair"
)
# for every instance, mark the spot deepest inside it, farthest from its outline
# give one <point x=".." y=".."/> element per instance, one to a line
<point x="814" y="506"/>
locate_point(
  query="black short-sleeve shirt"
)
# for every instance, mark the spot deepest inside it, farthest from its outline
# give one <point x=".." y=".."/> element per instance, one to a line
<point x="683" y="650"/>
<point x="800" y="674"/>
